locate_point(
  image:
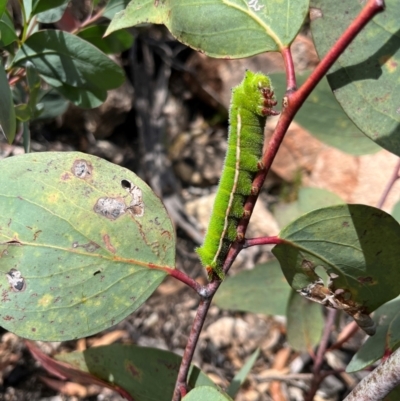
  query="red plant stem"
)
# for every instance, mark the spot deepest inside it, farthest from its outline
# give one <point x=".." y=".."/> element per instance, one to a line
<point x="291" y="84"/>
<point x="184" y="278"/>
<point x="89" y="21"/>
<point x="395" y="176"/>
<point x="181" y="382"/>
<point x="318" y="376"/>
<point x="348" y="332"/>
<point x="262" y="241"/>
<point x="380" y="382"/>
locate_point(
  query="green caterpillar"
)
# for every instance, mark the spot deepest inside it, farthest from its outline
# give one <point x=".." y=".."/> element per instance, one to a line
<point x="251" y="103"/>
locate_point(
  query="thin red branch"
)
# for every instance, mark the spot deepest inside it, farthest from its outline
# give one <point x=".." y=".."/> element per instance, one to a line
<point x="319" y="358"/>
<point x="395" y="176"/>
<point x="262" y="241"/>
<point x="348" y="332"/>
<point x="181" y="383"/>
<point x="291" y="84"/>
<point x="184" y="278"/>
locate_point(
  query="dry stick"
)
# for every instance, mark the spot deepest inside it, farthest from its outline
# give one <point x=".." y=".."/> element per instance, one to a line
<point x="395" y="176"/>
<point x="291" y="104"/>
<point x="379" y="383"/>
<point x="318" y="376"/>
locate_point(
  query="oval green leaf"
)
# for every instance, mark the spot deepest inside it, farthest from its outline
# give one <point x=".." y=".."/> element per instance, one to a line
<point x="83" y="244"/>
<point x="67" y="61"/>
<point x="365" y="78"/>
<point x="7" y="113"/>
<point x="221" y="28"/>
<point x="116" y="42"/>
<point x="206" y="393"/>
<point x="261" y="290"/>
<point x="322" y="116"/>
<point x="357" y="245"/>
<point x="147" y="374"/>
<point x="304" y="323"/>
<point x="386" y="339"/>
<point x="7" y="31"/>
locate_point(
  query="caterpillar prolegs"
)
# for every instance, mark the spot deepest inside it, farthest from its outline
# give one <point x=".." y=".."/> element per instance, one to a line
<point x="251" y="103"/>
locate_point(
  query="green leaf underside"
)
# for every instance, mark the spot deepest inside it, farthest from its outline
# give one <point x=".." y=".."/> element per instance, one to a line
<point x="358" y="243"/>
<point x="206" y="393"/>
<point x="261" y="290"/>
<point x="85" y="266"/>
<point x="365" y="78"/>
<point x="396" y="211"/>
<point x="73" y="66"/>
<point x="304" y="323"/>
<point x="245" y="144"/>
<point x="148" y="374"/>
<point x="117" y="42"/>
<point x="387" y="337"/>
<point x="323" y="117"/>
<point x="114" y="6"/>
<point x="40" y="6"/>
<point x="309" y="199"/>
<point x="221" y="28"/>
<point x="7" y="112"/>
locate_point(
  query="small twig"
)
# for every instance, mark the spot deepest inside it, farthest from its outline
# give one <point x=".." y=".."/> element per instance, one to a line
<point x="184" y="278"/>
<point x="89" y="21"/>
<point x="291" y="84"/>
<point x="262" y="241"/>
<point x="379" y="383"/>
<point x="181" y="382"/>
<point x="395" y="176"/>
<point x="318" y="376"/>
<point x="347" y="333"/>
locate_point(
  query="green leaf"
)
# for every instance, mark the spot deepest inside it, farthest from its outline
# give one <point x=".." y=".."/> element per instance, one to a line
<point x="72" y="65"/>
<point x="40" y="6"/>
<point x="52" y="103"/>
<point x="322" y="116"/>
<point x="396" y="211"/>
<point x="304" y="323"/>
<point x="52" y="15"/>
<point x="386" y="339"/>
<point x="3" y="4"/>
<point x="87" y="99"/>
<point x="309" y="199"/>
<point x="203" y="393"/>
<point x="240" y="377"/>
<point x="23" y="112"/>
<point x="83" y="242"/>
<point x="219" y="28"/>
<point x="261" y="290"/>
<point x="147" y="374"/>
<point x="357" y="245"/>
<point x="365" y="78"/>
<point x="7" y="113"/>
<point x="7" y="31"/>
<point x="117" y="42"/>
<point x="27" y="4"/>
<point x="114" y="6"/>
